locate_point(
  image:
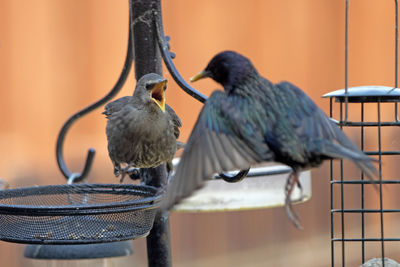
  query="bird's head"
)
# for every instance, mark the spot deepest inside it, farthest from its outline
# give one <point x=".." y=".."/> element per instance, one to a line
<point x="227" y="68"/>
<point x="151" y="89"/>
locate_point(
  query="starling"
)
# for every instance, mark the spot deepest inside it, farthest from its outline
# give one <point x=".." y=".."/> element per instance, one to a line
<point x="141" y="129"/>
<point x="254" y="121"/>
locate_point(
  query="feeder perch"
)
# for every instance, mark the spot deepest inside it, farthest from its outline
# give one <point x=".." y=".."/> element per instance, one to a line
<point x="263" y="188"/>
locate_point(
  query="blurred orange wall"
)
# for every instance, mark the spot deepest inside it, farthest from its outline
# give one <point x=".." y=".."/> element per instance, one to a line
<point x="58" y="56"/>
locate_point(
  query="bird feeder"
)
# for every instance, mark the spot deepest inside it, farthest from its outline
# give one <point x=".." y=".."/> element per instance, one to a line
<point x="262" y="188"/>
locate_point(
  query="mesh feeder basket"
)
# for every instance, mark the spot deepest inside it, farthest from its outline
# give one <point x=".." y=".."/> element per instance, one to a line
<point x="77" y="213"/>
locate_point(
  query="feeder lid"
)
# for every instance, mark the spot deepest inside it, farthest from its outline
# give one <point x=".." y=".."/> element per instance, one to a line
<point x="372" y="93"/>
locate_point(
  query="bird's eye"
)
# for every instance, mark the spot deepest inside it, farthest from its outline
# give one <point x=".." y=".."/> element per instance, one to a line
<point x="149" y="86"/>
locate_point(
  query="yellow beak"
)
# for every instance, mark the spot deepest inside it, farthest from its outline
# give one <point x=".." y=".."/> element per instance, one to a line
<point x="202" y="74"/>
<point x="158" y="95"/>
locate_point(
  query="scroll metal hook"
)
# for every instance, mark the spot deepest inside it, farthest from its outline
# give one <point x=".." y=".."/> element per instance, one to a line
<point x="167" y="57"/>
<point x="91" y="152"/>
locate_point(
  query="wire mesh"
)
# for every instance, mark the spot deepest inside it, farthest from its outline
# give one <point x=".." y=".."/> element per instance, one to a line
<point x="77" y="213"/>
<point x="364" y="215"/>
<point x="357" y="202"/>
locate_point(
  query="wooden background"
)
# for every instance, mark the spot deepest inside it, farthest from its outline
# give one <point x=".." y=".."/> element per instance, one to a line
<point x="58" y="56"/>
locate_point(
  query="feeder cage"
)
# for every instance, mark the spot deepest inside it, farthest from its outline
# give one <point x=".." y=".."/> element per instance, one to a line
<point x="361" y="211"/>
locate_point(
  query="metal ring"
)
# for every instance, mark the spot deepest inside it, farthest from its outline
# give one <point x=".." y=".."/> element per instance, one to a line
<point x="73" y="177"/>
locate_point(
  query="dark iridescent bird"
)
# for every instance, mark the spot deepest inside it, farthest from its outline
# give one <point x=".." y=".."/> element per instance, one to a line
<point x="254" y="121"/>
<point x="142" y="130"/>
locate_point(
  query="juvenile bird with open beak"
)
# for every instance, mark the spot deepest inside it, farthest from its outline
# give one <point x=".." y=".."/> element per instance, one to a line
<point x="142" y="130"/>
<point x="254" y="121"/>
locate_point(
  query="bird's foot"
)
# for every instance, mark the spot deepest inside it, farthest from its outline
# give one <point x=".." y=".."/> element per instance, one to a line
<point x="291" y="212"/>
<point x="134" y="173"/>
<point x="117" y="170"/>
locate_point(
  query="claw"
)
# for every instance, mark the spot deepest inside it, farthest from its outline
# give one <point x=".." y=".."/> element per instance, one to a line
<point x="123" y="173"/>
<point x="293" y="215"/>
<point x="117" y="170"/>
<point x="291" y="212"/>
<point x="133" y="173"/>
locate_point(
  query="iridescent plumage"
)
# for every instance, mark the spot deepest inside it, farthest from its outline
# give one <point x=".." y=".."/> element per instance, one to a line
<point x="254" y="121"/>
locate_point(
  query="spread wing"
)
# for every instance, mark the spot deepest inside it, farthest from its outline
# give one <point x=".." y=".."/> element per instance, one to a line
<point x="223" y="139"/>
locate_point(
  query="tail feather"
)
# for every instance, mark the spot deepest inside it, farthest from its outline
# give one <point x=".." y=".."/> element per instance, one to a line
<point x="355" y="155"/>
<point x="368" y="169"/>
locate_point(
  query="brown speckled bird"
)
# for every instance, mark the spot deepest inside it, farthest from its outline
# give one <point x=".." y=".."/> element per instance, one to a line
<point x="142" y="130"/>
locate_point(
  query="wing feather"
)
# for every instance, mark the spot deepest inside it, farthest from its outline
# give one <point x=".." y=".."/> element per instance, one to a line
<point x="316" y="133"/>
<point x="216" y="144"/>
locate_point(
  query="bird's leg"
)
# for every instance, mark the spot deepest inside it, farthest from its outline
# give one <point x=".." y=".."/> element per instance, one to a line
<point x="117" y="169"/>
<point x="291" y="212"/>
<point x="301" y="190"/>
<point x="123" y="173"/>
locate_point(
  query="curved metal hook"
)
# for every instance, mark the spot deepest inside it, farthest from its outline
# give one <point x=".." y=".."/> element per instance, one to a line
<point x="234" y="178"/>
<point x="61" y="136"/>
<point x="166" y="55"/>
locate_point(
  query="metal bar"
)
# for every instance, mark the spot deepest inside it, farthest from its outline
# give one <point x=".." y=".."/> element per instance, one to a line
<point x="147" y="60"/>
<point x="382" y="153"/>
<point x="362" y="192"/>
<point x="369" y="124"/>
<point x="365" y="182"/>
<point x="396" y="55"/>
<point x="380" y="185"/>
<point x="346" y="60"/>
<point x="396" y="49"/>
<point x="158" y="242"/>
<point x="365" y="239"/>
<point x="332" y="198"/>
<point x="365" y="210"/>
<point x="342" y="194"/>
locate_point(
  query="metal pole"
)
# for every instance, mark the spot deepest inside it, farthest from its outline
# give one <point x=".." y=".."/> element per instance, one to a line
<point x="148" y="59"/>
